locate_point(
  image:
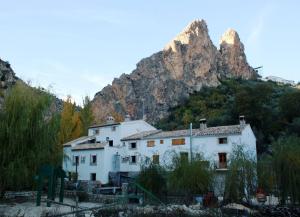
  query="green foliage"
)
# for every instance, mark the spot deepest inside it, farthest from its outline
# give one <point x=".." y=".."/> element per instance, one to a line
<point x="188" y="178"/>
<point x="86" y="115"/>
<point x="241" y="175"/>
<point x="28" y="136"/>
<point x="289" y="105"/>
<point x="265" y="174"/>
<point x="153" y="179"/>
<point x="272" y="110"/>
<point x="70" y="123"/>
<point x="286" y="166"/>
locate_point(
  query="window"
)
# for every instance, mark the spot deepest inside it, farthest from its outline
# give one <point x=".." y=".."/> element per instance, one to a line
<point x="132" y="145"/>
<point x="133" y="159"/>
<point x="93" y="160"/>
<point x="75" y="160"/>
<point x="97" y="132"/>
<point x="82" y="160"/>
<point x="150" y="143"/>
<point x="155" y="159"/>
<point x="111" y="143"/>
<point x="178" y="141"/>
<point x="184" y="156"/>
<point x="113" y="128"/>
<point x="93" y="176"/>
<point x="91" y="141"/>
<point x="161" y="141"/>
<point x="222" y="160"/>
<point x="223" y="140"/>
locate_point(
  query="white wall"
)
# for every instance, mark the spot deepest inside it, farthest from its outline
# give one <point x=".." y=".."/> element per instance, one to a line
<point x="85" y="169"/>
<point x="104" y="156"/>
<point x="208" y="146"/>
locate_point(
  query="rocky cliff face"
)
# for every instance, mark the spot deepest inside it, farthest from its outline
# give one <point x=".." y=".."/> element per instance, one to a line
<point x="161" y="81"/>
<point x="7" y="79"/>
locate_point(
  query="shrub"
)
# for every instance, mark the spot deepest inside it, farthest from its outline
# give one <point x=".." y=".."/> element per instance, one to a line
<point x="286" y="164"/>
<point x="241" y="178"/>
<point x="152" y="178"/>
<point x="190" y="178"/>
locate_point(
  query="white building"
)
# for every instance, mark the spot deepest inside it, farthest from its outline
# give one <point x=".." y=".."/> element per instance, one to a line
<point x="279" y="80"/>
<point x="126" y="146"/>
<point x="97" y="153"/>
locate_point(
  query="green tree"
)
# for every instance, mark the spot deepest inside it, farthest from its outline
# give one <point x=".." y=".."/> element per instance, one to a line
<point x="71" y="126"/>
<point x="86" y="115"/>
<point x="188" y="178"/>
<point x="286" y="166"/>
<point x="241" y="177"/>
<point x="153" y="178"/>
<point x="28" y="136"/>
<point x="290" y="105"/>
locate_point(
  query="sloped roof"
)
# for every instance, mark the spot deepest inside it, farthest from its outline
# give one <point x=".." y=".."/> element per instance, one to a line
<point x="220" y="130"/>
<point x="140" y="135"/>
<point x="166" y="134"/>
<point x="104" y="125"/>
<point x="209" y="131"/>
<point x="80" y="139"/>
<point x="88" y="146"/>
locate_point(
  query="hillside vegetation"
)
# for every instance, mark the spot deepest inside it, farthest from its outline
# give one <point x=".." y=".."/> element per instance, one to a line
<point x="272" y="110"/>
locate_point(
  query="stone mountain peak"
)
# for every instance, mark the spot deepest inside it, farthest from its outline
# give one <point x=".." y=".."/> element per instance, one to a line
<point x="230" y="37"/>
<point x="166" y="78"/>
<point x="196" y="30"/>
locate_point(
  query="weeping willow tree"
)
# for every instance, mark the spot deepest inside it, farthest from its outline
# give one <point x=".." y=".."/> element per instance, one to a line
<point x="241" y="178"/>
<point x="28" y="136"/>
<point x="286" y="165"/>
<point x="189" y="178"/>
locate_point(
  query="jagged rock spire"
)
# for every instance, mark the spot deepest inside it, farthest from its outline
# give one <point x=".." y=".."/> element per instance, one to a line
<point x="191" y="51"/>
<point x="233" y="56"/>
<point x="166" y="78"/>
<point x="196" y="30"/>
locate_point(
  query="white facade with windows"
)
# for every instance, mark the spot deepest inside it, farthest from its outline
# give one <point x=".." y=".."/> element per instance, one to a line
<point x="100" y="149"/>
<point x="126" y="146"/>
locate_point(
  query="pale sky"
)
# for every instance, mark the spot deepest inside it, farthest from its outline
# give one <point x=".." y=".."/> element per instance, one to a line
<point x="77" y="47"/>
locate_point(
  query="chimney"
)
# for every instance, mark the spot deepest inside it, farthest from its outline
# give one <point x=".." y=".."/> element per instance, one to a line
<point x="242" y="120"/>
<point x="203" y="124"/>
<point x="127" y="118"/>
<point x="110" y="120"/>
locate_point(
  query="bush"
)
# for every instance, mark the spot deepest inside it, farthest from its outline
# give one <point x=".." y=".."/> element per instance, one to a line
<point x="153" y="179"/>
<point x="190" y="178"/>
<point x="286" y="164"/>
<point x="83" y="196"/>
<point x="241" y="176"/>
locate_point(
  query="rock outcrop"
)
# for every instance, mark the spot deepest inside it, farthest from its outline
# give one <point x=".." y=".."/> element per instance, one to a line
<point x="7" y="75"/>
<point x="233" y="56"/>
<point x="165" y="79"/>
<point x="7" y="79"/>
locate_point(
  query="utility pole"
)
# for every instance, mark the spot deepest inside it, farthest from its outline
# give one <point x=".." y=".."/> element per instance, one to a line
<point x="191" y="148"/>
